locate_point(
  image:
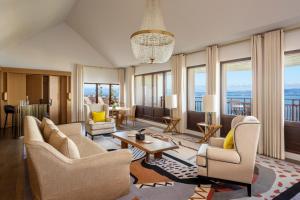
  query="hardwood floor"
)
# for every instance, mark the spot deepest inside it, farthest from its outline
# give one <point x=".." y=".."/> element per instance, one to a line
<point x="11" y="167"/>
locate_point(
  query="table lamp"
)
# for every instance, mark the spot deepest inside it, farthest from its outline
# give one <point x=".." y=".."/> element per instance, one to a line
<point x="171" y="103"/>
<point x="209" y="106"/>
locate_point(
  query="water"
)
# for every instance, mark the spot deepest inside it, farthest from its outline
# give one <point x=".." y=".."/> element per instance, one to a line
<point x="289" y="94"/>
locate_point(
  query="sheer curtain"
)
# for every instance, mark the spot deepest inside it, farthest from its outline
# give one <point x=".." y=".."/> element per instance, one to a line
<point x="79" y="91"/>
<point x="129" y="86"/>
<point x="257" y="86"/>
<point x="213" y="77"/>
<point x="121" y="76"/>
<point x="273" y="71"/>
<point x="179" y="88"/>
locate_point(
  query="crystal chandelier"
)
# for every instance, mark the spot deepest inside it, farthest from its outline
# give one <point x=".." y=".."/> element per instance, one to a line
<point x="152" y="43"/>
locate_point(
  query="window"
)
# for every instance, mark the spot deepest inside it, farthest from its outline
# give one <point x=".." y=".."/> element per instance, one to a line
<point x="196" y="82"/>
<point x="237" y="87"/>
<point x="90" y="93"/>
<point x="292" y="87"/>
<point x="150" y="92"/>
<point x="138" y="82"/>
<point x="101" y="93"/>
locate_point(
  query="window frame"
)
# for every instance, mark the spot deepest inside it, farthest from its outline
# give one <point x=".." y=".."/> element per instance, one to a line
<point x="97" y="90"/>
<point x="223" y="86"/>
<point x="187" y="83"/>
<point x="152" y="80"/>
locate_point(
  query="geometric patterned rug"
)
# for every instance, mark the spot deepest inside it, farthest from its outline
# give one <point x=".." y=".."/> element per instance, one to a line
<point x="174" y="177"/>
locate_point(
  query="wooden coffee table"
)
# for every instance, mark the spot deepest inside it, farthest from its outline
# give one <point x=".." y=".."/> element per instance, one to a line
<point x="156" y="147"/>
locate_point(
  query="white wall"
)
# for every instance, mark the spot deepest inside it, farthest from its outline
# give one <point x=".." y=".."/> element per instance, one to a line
<point x="195" y="59"/>
<point x="100" y="75"/>
<point x="57" y="48"/>
<point x="292" y="40"/>
<point x="149" y="68"/>
<point x="235" y="51"/>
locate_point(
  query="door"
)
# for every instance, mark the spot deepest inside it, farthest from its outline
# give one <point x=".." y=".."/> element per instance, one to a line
<point x="54" y="96"/>
<point x="34" y="88"/>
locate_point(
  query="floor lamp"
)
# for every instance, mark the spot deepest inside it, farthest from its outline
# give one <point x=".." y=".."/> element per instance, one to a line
<point x="209" y="106"/>
<point x="171" y="103"/>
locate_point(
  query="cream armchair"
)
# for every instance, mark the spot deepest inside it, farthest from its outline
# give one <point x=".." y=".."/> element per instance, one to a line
<point x="98" y="128"/>
<point x="236" y="164"/>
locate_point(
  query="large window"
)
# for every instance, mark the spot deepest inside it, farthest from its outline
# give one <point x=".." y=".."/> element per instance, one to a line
<point x="292" y="87"/>
<point x="150" y="92"/>
<point x="196" y="82"/>
<point x="237" y="87"/>
<point x="101" y="93"/>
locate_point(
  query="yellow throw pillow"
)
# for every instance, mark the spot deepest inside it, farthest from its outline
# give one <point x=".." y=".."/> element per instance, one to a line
<point x="228" y="142"/>
<point x="99" y="116"/>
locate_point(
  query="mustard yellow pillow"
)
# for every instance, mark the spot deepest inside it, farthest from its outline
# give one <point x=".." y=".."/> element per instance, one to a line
<point x="228" y="142"/>
<point x="99" y="116"/>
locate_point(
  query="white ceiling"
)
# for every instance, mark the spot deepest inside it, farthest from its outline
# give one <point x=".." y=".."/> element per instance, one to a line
<point x="20" y="19"/>
<point x="108" y="24"/>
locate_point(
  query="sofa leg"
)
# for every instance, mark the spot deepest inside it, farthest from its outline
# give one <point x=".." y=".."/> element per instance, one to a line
<point x="249" y="190"/>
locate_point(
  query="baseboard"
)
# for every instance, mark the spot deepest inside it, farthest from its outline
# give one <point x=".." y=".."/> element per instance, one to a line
<point x="152" y="123"/>
<point x="292" y="156"/>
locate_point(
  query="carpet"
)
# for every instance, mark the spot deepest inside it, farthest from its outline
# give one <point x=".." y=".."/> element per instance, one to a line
<point x="174" y="177"/>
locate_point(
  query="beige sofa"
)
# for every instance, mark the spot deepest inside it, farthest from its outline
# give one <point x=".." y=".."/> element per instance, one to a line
<point x="236" y="164"/>
<point x="97" y="174"/>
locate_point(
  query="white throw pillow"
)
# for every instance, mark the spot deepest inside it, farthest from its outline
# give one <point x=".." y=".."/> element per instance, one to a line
<point x="44" y="122"/>
<point x="48" y="130"/>
<point x="64" y="145"/>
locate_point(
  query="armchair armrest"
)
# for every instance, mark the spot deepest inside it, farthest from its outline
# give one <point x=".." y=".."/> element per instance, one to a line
<point x="216" y="141"/>
<point x="110" y="120"/>
<point x="223" y="155"/>
<point x="70" y="129"/>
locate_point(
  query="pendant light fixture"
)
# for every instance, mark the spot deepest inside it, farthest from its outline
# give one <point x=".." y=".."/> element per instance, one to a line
<point x="152" y="43"/>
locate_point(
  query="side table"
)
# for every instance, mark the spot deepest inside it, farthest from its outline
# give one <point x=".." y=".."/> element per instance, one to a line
<point x="171" y="123"/>
<point x="208" y="130"/>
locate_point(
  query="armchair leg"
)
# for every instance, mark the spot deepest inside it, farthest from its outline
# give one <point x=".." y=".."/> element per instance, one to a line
<point x="85" y="134"/>
<point x="249" y="190"/>
<point x="92" y="137"/>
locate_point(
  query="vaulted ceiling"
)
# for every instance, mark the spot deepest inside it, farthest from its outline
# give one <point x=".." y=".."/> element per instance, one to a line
<point x="108" y="24"/>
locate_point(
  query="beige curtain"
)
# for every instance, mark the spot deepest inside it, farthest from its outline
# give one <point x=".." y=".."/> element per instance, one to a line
<point x="213" y="77"/>
<point x="257" y="86"/>
<point x="79" y="91"/>
<point x="129" y="86"/>
<point x="273" y="122"/>
<point x="179" y="88"/>
<point x="121" y="76"/>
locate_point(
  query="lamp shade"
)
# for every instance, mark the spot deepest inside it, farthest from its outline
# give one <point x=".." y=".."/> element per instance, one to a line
<point x="171" y="101"/>
<point x="210" y="103"/>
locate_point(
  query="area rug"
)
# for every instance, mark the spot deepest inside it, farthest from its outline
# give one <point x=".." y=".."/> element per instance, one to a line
<point x="174" y="177"/>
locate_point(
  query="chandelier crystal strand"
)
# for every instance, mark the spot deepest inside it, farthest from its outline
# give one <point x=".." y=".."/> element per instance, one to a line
<point x="152" y="43"/>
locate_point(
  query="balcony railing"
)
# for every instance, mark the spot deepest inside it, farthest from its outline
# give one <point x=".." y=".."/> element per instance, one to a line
<point x="243" y="106"/>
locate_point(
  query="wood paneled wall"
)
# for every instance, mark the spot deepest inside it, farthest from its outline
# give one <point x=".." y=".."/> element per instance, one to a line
<point x="17" y="83"/>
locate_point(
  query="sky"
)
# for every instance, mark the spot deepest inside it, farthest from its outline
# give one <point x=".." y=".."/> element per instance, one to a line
<point x="242" y="80"/>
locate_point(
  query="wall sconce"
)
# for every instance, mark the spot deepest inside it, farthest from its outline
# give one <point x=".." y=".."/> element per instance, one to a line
<point x="4" y="96"/>
<point x="69" y="96"/>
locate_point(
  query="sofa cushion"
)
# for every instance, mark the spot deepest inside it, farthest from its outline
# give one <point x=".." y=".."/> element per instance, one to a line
<point x="48" y="128"/>
<point x="86" y="147"/>
<point x="64" y="145"/>
<point x="102" y="125"/>
<point x="201" y="155"/>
